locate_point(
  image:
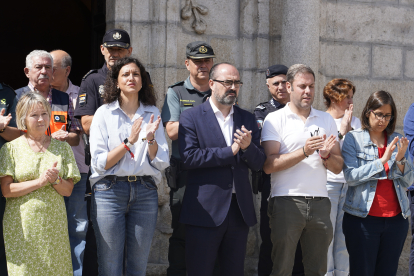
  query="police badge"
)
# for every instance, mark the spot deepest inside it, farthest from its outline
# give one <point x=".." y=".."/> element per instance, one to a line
<point x="117" y="36"/>
<point x="101" y="90"/>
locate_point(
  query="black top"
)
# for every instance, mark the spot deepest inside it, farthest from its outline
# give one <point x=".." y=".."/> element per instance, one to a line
<point x="263" y="109"/>
<point x="90" y="92"/>
<point x="8" y="101"/>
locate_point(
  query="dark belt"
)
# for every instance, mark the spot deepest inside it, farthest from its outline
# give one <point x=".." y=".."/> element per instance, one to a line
<point x="129" y="178"/>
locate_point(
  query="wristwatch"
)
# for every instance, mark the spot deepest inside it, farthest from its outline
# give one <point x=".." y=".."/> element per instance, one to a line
<point x="127" y="143"/>
<point x="57" y="181"/>
<point x="340" y="136"/>
<point x="402" y="161"/>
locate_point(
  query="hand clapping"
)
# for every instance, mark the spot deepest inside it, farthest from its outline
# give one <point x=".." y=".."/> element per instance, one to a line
<point x="4" y="120"/>
<point x="152" y="127"/>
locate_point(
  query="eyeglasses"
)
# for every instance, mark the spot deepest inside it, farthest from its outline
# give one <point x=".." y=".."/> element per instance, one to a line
<point x="380" y="116"/>
<point x="229" y="83"/>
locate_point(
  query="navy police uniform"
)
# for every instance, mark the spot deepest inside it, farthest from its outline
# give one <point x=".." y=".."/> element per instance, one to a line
<point x="8" y="101"/>
<point x="89" y="100"/>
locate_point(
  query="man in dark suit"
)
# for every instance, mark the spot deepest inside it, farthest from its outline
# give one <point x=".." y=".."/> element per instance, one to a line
<point x="218" y="143"/>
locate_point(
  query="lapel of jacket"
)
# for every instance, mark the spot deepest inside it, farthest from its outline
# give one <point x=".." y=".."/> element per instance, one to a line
<point x="212" y="124"/>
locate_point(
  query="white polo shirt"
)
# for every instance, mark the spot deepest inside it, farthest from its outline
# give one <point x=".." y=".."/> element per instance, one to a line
<point x="308" y="177"/>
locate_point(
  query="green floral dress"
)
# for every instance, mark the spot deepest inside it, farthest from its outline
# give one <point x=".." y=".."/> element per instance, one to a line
<point x="35" y="225"/>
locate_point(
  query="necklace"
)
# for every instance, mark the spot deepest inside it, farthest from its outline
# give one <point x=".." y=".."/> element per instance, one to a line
<point x="42" y="144"/>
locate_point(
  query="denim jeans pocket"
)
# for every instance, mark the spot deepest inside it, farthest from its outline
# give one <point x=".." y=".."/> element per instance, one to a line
<point x="149" y="183"/>
<point x="103" y="185"/>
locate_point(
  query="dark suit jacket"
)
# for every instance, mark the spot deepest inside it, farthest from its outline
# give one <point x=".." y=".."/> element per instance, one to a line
<point x="213" y="167"/>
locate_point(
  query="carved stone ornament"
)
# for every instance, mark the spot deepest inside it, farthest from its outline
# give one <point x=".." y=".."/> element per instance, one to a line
<point x="199" y="25"/>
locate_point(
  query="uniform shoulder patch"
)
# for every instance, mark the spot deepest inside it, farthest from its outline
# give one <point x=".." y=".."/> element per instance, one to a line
<point x="261" y="106"/>
<point x="90" y="72"/>
<point x="177" y="84"/>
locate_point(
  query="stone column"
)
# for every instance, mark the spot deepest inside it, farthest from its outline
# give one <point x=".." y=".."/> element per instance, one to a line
<point x="300" y="33"/>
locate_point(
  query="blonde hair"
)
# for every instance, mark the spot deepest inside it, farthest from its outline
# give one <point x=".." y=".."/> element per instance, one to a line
<point x="26" y="104"/>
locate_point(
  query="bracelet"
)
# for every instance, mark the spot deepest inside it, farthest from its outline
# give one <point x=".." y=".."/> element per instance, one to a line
<point x="127" y="148"/>
<point x="57" y="181"/>
<point x="151" y="142"/>
<point x="305" y="152"/>
<point x="2" y="130"/>
<point x="326" y="158"/>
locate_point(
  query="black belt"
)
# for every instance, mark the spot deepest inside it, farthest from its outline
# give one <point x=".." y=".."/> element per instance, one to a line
<point x="129" y="178"/>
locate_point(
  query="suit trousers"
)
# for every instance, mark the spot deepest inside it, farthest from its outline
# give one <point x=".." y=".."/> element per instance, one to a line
<point x="264" y="267"/>
<point x="294" y="218"/>
<point x="226" y="242"/>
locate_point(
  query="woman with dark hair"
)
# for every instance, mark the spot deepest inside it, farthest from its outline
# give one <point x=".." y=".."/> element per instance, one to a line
<point x="378" y="171"/>
<point x="129" y="151"/>
<point x="338" y="95"/>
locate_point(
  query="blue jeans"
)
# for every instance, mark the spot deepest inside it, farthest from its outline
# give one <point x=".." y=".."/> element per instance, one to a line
<point x="124" y="215"/>
<point x="77" y="223"/>
<point x="338" y="257"/>
<point x="374" y="244"/>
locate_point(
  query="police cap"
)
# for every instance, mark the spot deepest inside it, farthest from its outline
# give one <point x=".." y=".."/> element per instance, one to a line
<point x="275" y="70"/>
<point x="116" y="38"/>
<point x="199" y="49"/>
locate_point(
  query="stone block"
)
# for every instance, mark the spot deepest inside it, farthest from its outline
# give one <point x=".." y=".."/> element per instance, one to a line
<point x="386" y="62"/>
<point x="275" y="17"/>
<point x="140" y="42"/>
<point x="123" y="10"/>
<point x="263" y="22"/>
<point x="369" y="23"/>
<point x="409" y="64"/>
<point x="274" y="54"/>
<point x="227" y="50"/>
<point x="158" y="35"/>
<point x="407" y="2"/>
<point x="262" y="50"/>
<point x="138" y="8"/>
<point x="248" y="17"/>
<point x="249" y="57"/>
<point x="154" y="269"/>
<point x="344" y="60"/>
<point x="222" y="18"/>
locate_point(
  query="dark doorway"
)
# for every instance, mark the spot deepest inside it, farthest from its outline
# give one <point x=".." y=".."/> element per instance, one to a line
<point x="75" y="26"/>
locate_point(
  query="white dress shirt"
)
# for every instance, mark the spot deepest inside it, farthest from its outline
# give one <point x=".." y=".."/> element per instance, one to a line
<point x="110" y="126"/>
<point x="226" y="125"/>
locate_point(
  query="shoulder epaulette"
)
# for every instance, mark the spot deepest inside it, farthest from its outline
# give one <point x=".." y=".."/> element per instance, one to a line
<point x="90" y="72"/>
<point x="176" y="84"/>
<point x="3" y="85"/>
<point x="261" y="106"/>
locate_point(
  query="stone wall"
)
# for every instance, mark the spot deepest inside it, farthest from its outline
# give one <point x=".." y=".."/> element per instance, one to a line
<point x="370" y="42"/>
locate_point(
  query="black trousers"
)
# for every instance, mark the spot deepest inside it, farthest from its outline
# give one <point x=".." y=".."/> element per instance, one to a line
<point x="225" y="243"/>
<point x="90" y="255"/>
<point x="176" y="249"/>
<point x="265" y="264"/>
<point x="411" y="198"/>
<point x="374" y="244"/>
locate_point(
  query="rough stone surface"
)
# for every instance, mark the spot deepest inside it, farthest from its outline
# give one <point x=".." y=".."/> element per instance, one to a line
<point x="387" y="62"/>
<point x="370" y="42"/>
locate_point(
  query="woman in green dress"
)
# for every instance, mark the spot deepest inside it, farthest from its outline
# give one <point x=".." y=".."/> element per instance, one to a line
<point x="37" y="171"/>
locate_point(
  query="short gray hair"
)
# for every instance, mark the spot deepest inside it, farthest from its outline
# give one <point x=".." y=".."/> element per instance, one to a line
<point x="298" y="69"/>
<point x="26" y="104"/>
<point x="37" y="53"/>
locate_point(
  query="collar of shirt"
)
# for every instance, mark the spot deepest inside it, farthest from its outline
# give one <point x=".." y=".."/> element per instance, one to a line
<point x="72" y="91"/>
<point x="218" y="113"/>
<point x="141" y="109"/>
<point x="188" y="85"/>
<point x="289" y="111"/>
<point x="276" y="104"/>
<point x="49" y="96"/>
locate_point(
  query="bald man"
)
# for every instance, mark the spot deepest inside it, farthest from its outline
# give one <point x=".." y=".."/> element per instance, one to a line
<point x="75" y="204"/>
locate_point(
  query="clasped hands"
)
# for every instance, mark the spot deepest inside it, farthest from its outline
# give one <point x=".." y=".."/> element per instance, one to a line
<point x="319" y="143"/>
<point x="242" y="139"/>
<point x="50" y="175"/>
